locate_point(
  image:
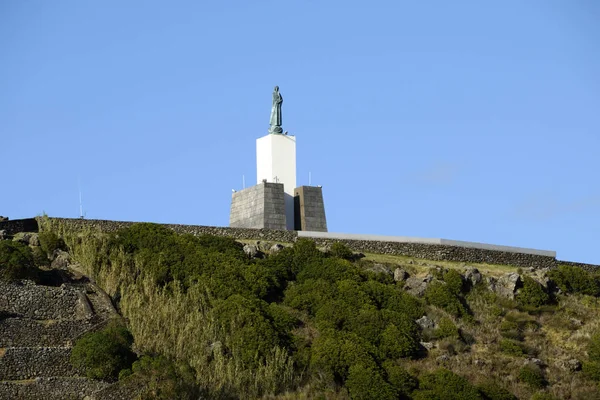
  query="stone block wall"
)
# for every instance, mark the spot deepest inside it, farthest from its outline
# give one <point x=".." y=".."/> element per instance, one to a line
<point x="19" y="225"/>
<point x="260" y="206"/>
<point x="20" y="363"/>
<point x="52" y="388"/>
<point x="309" y="209"/>
<point x="24" y="332"/>
<point x="41" y="302"/>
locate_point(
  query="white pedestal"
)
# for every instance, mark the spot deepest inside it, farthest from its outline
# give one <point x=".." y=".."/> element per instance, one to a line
<point x="276" y="162"/>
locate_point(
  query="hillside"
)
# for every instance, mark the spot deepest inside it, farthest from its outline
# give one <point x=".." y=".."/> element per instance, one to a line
<point x="210" y="317"/>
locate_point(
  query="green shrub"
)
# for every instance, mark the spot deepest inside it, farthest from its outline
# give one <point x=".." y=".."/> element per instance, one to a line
<point x="402" y="382"/>
<point x="513" y="348"/>
<point x="334" y="352"/>
<point x="591" y="368"/>
<point x="16" y="261"/>
<point x="49" y="242"/>
<point x="249" y="329"/>
<point x="164" y="379"/>
<point x="105" y="353"/>
<point x="441" y="295"/>
<point x="446" y="385"/>
<point x="455" y="281"/>
<point x="572" y="279"/>
<point x="533" y="376"/>
<point x="366" y="383"/>
<point x="340" y="250"/>
<point x="532" y="294"/>
<point x="493" y="391"/>
<point x="40" y="257"/>
<point x="542" y="396"/>
<point x="511" y="330"/>
<point x="446" y="329"/>
<point x="402" y="341"/>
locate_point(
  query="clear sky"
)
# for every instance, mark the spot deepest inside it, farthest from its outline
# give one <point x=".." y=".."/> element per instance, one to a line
<point x="466" y="120"/>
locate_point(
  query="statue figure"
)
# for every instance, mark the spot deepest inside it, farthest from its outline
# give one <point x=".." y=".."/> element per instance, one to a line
<point x="276" y="112"/>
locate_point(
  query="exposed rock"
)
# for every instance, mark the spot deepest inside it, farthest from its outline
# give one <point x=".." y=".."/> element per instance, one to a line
<point x="569" y="365"/>
<point x="443" y="358"/>
<point x="22" y="237"/>
<point x="425" y="322"/>
<point x="262" y="246"/>
<point x="473" y="276"/>
<point x="251" y="250"/>
<point x="380" y="269"/>
<point x="3" y="218"/>
<point x="417" y="286"/>
<point x="540" y="276"/>
<point x="61" y="259"/>
<point x="276" y="248"/>
<point x="428" y="345"/>
<point x="3" y="235"/>
<point x="400" y="274"/>
<point x="34" y="239"/>
<point x="506" y="285"/>
<point x="534" y="361"/>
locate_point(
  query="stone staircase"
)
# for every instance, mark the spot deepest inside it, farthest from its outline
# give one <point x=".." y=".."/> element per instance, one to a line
<point x="38" y="327"/>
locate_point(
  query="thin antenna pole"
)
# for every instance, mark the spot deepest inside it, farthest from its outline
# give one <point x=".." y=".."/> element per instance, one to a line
<point x="243" y="181"/>
<point x="309" y="178"/>
<point x="80" y="200"/>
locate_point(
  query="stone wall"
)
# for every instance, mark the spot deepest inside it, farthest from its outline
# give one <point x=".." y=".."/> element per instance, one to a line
<point x="29" y="300"/>
<point x="19" y="225"/>
<point x="309" y="209"/>
<point x="260" y="206"/>
<point x="24" y="332"/>
<point x="443" y="252"/>
<point x="282" y="236"/>
<point x="51" y="388"/>
<point x="18" y="363"/>
<point x="438" y="252"/>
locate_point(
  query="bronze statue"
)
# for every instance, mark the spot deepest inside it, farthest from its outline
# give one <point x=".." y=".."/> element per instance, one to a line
<point x="276" y="112"/>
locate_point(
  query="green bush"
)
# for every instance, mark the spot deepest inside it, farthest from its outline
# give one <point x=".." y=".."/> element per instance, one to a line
<point x="366" y="383"/>
<point x="533" y="376"/>
<point x="402" y="382"/>
<point x="455" y="281"/>
<point x="532" y="294"/>
<point x="575" y="280"/>
<point x="105" y="353"/>
<point x="340" y="250"/>
<point x="493" y="391"/>
<point x="511" y="330"/>
<point x="399" y="341"/>
<point x="513" y="348"/>
<point x="16" y="262"/>
<point x="441" y="295"/>
<point x="165" y="380"/>
<point x="445" y="385"/>
<point x="591" y="368"/>
<point x="542" y="396"/>
<point x="49" y="242"/>
<point x="446" y="329"/>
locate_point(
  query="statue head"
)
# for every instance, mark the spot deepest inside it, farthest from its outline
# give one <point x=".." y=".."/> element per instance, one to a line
<point x="276" y="88"/>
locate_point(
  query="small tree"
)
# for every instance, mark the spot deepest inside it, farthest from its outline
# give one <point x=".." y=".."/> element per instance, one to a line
<point x="16" y="261"/>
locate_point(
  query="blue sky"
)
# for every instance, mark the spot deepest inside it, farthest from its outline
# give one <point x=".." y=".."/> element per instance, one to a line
<point x="464" y="120"/>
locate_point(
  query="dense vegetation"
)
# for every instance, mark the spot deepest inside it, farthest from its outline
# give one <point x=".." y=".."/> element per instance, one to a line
<point x="307" y="323"/>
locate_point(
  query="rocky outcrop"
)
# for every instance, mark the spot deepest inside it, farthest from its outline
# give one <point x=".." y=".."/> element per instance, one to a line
<point x="505" y="286"/>
<point x="417" y="285"/>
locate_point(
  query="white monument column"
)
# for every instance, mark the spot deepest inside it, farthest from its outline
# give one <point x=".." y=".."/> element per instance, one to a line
<point x="276" y="162"/>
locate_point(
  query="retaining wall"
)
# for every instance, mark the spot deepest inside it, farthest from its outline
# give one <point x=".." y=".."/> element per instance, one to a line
<point x="21" y="332"/>
<point x="19" y="225"/>
<point x="433" y="249"/>
<point x="29" y="300"/>
<point x="29" y="362"/>
<point x="51" y="389"/>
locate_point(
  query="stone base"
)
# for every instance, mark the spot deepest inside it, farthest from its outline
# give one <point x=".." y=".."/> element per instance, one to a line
<point x="309" y="209"/>
<point x="259" y="207"/>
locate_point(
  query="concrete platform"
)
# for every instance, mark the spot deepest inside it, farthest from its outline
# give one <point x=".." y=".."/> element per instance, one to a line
<point x="410" y="239"/>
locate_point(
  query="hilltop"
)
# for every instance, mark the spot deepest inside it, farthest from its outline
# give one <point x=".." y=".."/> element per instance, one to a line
<point x="214" y="317"/>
